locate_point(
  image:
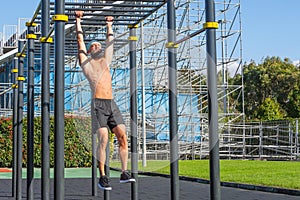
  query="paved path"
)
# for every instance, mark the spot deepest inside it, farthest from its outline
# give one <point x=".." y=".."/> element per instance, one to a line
<point x="150" y="188"/>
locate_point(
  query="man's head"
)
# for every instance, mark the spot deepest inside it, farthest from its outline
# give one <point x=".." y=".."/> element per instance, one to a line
<point x="93" y="47"/>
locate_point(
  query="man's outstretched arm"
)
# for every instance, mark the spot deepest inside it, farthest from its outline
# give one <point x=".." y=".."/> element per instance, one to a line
<point x="82" y="52"/>
<point x="109" y="50"/>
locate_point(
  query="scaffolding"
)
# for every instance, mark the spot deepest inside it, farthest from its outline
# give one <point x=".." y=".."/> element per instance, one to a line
<point x="152" y="60"/>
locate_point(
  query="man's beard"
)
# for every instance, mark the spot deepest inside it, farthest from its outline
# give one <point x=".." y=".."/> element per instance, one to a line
<point x="96" y="54"/>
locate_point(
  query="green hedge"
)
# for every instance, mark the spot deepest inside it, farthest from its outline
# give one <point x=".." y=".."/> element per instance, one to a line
<point x="78" y="151"/>
<point x="6" y="142"/>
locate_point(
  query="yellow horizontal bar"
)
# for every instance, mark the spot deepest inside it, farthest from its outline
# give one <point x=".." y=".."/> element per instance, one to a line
<point x="14" y="86"/>
<point x="21" y="55"/>
<point x="49" y="40"/>
<point x="31" y="24"/>
<point x="133" y="38"/>
<point x="58" y="17"/>
<point x="133" y="26"/>
<point x="21" y="78"/>
<point x="31" y="36"/>
<point x="14" y="70"/>
<point x="171" y="45"/>
<point x="211" y="25"/>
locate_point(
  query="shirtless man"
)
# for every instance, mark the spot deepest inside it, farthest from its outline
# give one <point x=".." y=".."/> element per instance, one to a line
<point x="95" y="66"/>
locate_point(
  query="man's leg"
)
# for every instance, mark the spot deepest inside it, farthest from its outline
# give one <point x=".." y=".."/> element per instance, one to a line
<point x="102" y="143"/>
<point x="123" y="145"/>
<point x="123" y="152"/>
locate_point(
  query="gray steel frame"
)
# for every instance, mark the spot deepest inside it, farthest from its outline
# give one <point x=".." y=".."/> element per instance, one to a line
<point x="126" y="13"/>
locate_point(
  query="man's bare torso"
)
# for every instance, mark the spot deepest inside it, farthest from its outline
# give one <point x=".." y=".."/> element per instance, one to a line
<point x="98" y="74"/>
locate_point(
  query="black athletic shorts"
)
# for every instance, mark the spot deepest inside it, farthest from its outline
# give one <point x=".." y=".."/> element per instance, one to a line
<point x="106" y="114"/>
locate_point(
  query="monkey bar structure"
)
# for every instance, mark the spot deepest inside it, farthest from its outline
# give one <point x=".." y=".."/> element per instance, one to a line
<point x="150" y="16"/>
<point x="163" y="69"/>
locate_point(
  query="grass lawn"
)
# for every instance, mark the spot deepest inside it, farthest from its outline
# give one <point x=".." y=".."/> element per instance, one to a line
<point x="282" y="174"/>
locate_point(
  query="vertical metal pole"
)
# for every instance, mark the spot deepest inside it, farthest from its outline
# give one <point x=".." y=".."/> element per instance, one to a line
<point x="94" y="151"/>
<point x="94" y="165"/>
<point x="60" y="18"/>
<point x="201" y="141"/>
<point x="45" y="64"/>
<point x="173" y="99"/>
<point x="277" y="140"/>
<point x="30" y="110"/>
<point x="297" y="139"/>
<point x="107" y="171"/>
<point x="244" y="143"/>
<point x="250" y="138"/>
<point x="15" y="127"/>
<point x="212" y="103"/>
<point x="20" y="120"/>
<point x="143" y="98"/>
<point x="133" y="112"/>
<point x="224" y="67"/>
<point x="260" y="141"/>
<point x="291" y="141"/>
<point x="229" y="144"/>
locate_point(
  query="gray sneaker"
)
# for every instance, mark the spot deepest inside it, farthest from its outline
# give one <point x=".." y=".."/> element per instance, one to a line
<point x="104" y="183"/>
<point x="126" y="178"/>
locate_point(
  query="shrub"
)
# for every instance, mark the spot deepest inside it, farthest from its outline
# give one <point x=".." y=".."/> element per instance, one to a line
<point x="78" y="142"/>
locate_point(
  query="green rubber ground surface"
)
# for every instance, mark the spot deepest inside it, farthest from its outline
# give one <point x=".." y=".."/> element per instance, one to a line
<point x="69" y="173"/>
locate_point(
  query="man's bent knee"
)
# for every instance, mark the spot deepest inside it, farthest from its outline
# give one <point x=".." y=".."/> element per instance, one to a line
<point x="122" y="139"/>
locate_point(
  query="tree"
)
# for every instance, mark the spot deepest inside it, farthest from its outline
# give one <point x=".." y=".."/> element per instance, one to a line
<point x="269" y="110"/>
<point x="274" y="79"/>
<point x="293" y="105"/>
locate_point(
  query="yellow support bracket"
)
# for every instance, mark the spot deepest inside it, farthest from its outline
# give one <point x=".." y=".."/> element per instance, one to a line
<point x="133" y="38"/>
<point x="21" y="55"/>
<point x="21" y="78"/>
<point x="133" y="26"/>
<point x="171" y="45"/>
<point x="211" y="25"/>
<point x="60" y="17"/>
<point x="31" y="36"/>
<point x="14" y="86"/>
<point x="49" y="40"/>
<point x="31" y="24"/>
<point x="14" y="71"/>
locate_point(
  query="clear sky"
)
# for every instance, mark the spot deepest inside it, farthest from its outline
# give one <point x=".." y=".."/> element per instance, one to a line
<point x="269" y="27"/>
